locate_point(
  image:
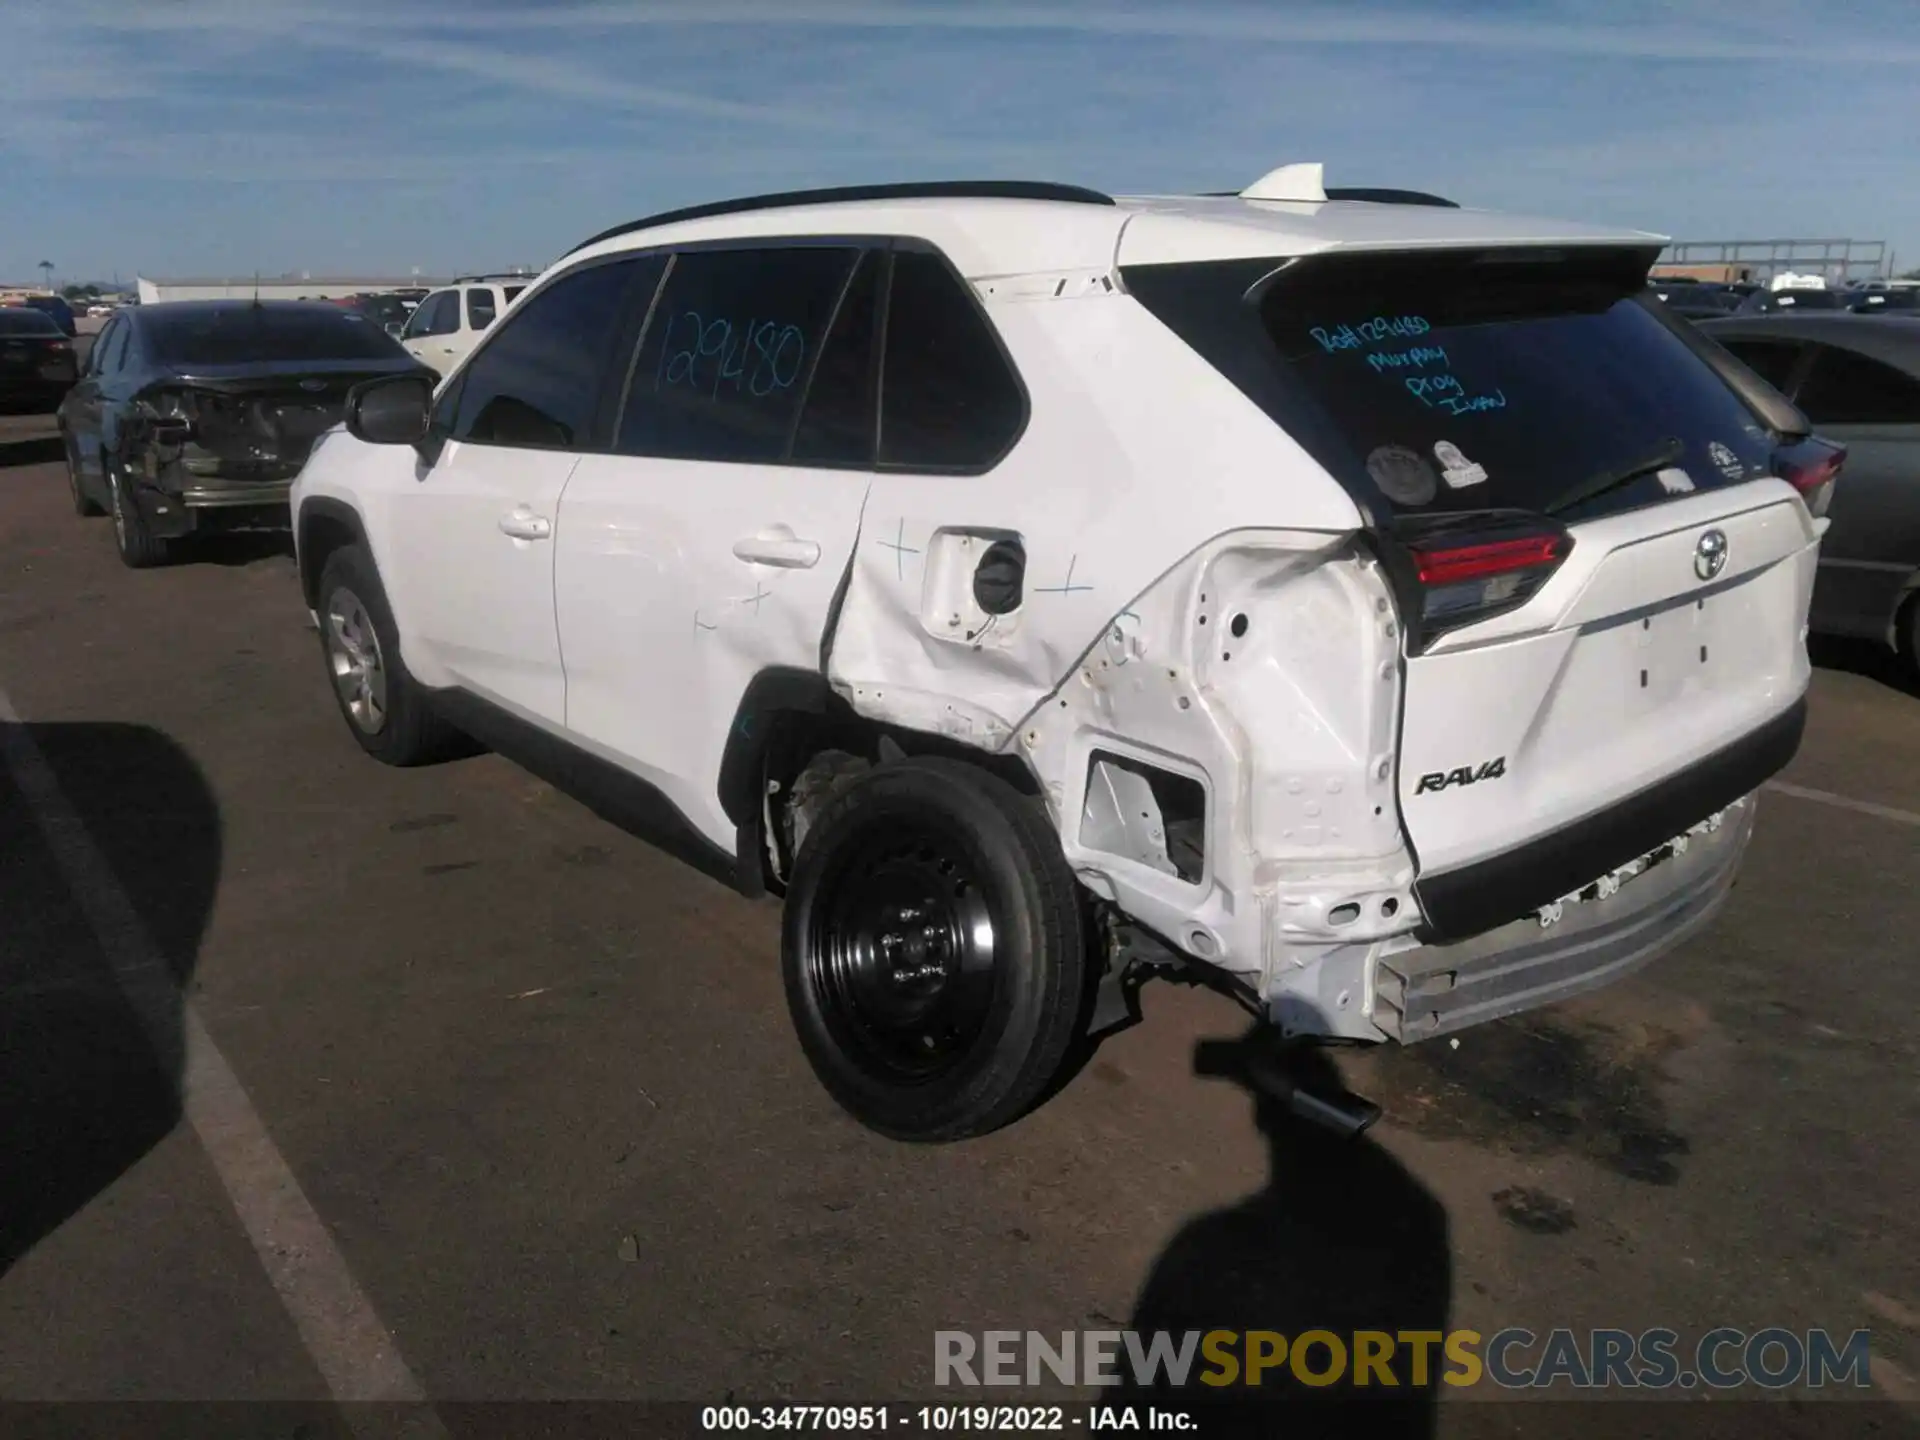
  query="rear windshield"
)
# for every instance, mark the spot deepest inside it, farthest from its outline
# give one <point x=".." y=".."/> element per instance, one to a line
<point x="266" y="333"/>
<point x="1440" y="382"/>
<point x="26" y="322"/>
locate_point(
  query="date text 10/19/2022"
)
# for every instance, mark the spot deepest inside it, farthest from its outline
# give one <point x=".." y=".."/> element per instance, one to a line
<point x="946" y="1419"/>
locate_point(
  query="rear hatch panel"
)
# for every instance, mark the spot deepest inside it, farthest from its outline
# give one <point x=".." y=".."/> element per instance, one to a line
<point x="1654" y="654"/>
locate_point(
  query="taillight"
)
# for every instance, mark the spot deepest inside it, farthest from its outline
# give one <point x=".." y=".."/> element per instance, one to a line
<point x="1811" y="467"/>
<point x="1460" y="577"/>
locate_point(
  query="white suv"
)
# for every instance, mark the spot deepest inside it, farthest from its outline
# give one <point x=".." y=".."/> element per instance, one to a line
<point x="1375" y="606"/>
<point x="446" y="325"/>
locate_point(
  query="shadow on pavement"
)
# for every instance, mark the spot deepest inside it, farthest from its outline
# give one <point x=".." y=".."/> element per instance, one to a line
<point x="42" y="451"/>
<point x="1863" y="658"/>
<point x="90" y="1079"/>
<point x="1341" y="1239"/>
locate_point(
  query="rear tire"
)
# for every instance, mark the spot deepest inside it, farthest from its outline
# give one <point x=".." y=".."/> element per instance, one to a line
<point x="932" y="951"/>
<point x="387" y="711"/>
<point x="139" y="547"/>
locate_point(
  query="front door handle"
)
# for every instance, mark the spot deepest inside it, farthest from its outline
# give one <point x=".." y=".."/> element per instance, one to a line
<point x="524" y="525"/>
<point x="779" y="546"/>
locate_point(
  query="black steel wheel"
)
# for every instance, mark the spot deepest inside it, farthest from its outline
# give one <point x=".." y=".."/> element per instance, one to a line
<point x="932" y="950"/>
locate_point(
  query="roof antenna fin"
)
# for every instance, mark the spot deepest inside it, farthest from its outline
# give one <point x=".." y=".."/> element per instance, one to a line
<point x="1303" y="184"/>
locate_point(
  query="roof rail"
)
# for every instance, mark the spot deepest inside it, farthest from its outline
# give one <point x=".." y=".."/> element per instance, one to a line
<point x="1392" y="197"/>
<point x="912" y="190"/>
<point x="493" y="275"/>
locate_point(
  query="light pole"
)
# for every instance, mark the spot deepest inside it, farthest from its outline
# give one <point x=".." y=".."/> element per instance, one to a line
<point x="46" y="273"/>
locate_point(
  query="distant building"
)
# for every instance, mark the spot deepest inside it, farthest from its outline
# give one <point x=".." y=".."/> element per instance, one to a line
<point x="277" y="287"/>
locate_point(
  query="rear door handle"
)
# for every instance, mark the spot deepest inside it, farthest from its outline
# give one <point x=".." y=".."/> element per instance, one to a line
<point x="777" y="546"/>
<point x="524" y="525"/>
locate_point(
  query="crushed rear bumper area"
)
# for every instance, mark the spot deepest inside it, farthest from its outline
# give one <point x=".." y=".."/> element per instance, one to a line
<point x="1438" y="989"/>
<point x="1459" y="904"/>
<point x="213" y="506"/>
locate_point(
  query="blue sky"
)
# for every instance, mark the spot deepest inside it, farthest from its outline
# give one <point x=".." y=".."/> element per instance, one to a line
<point x="201" y="137"/>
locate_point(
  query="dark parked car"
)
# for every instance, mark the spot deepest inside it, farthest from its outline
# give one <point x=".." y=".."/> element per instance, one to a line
<point x="1903" y="301"/>
<point x="195" y="416"/>
<point x="55" y="309"/>
<point x="1857" y="378"/>
<point x="36" y="360"/>
<point x="1698" y="300"/>
<point x="1773" y="302"/>
<point x="387" y="310"/>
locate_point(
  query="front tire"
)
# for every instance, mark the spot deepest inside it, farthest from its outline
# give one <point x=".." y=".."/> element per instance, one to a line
<point x="932" y="951"/>
<point x="139" y="547"/>
<point x="388" y="712"/>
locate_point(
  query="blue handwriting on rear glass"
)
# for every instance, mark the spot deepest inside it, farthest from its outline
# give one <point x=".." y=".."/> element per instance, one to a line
<point x="1416" y="358"/>
<point x="1445" y="392"/>
<point x="1370" y="332"/>
<point x="714" y="356"/>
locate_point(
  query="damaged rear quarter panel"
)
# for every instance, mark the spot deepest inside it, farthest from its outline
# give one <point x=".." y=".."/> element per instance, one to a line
<point x="1154" y="502"/>
<point x="1136" y="453"/>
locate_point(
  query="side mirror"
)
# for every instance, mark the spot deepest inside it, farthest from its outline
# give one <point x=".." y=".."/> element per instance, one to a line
<point x="394" y="327"/>
<point x="394" y="410"/>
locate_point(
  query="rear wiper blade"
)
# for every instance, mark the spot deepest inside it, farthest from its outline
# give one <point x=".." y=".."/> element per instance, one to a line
<point x="1669" y="453"/>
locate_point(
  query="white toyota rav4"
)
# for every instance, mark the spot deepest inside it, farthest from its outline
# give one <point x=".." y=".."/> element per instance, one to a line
<point x="1375" y="606"/>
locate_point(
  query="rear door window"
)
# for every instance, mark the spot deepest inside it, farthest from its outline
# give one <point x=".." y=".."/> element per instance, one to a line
<point x="727" y="356"/>
<point x="1433" y="383"/>
<point x="480" y="310"/>
<point x="1844" y="388"/>
<point x="839" y="420"/>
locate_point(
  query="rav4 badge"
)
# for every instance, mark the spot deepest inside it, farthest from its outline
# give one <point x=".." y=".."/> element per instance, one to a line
<point x="1464" y="775"/>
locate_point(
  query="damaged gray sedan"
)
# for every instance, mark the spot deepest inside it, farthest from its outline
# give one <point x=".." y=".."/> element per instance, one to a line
<point x="194" y="417"/>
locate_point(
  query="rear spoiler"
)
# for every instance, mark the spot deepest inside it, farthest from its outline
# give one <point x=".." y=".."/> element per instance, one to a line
<point x="1775" y="411"/>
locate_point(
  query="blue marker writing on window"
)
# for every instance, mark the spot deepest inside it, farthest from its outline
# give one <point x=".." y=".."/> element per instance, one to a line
<point x="1370" y="332"/>
<point x="757" y="359"/>
<point x="1416" y="358"/>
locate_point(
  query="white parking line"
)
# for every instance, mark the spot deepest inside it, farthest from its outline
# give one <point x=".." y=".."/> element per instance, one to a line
<point x="1845" y="802"/>
<point x="353" y="1351"/>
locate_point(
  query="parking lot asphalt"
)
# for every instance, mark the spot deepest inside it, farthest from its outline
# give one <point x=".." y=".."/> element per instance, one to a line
<point x="537" y="1083"/>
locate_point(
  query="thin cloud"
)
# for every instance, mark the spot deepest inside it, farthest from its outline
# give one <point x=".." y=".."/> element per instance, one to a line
<point x="1348" y="26"/>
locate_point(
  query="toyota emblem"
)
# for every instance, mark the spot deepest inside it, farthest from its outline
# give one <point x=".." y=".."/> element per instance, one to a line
<point x="1710" y="554"/>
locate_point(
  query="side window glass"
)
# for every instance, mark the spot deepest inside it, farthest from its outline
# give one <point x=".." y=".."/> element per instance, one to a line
<point x="1848" y="389"/>
<point x="537" y="384"/>
<point x="416" y="325"/>
<point x="840" y="415"/>
<point x="480" y="309"/>
<point x="948" y="398"/>
<point x="1772" y="360"/>
<point x="117" y="352"/>
<point x="103" y="343"/>
<point x="725" y="359"/>
<point x="446" y="314"/>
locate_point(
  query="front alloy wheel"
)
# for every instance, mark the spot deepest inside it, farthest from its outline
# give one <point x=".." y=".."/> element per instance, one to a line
<point x="353" y="654"/>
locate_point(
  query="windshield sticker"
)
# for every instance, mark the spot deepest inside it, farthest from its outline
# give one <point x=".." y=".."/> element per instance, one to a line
<point x="1725" y="461"/>
<point x="1404" y="476"/>
<point x="1674" y="480"/>
<point x="1458" y="471"/>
